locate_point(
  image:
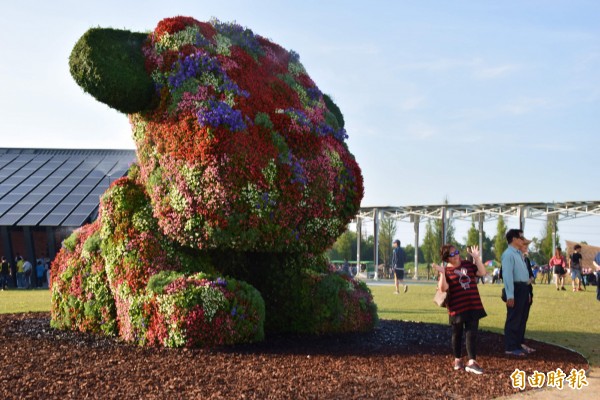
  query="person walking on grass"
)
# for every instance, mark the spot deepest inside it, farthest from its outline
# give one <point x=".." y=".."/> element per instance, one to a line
<point x="465" y="309"/>
<point x="575" y="267"/>
<point x="516" y="286"/>
<point x="596" y="263"/>
<point x="398" y="259"/>
<point x="557" y="263"/>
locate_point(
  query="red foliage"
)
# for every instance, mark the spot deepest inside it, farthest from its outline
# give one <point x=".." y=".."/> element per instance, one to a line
<point x="172" y="25"/>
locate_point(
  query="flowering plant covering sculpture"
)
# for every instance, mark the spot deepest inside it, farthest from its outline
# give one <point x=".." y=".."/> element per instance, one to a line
<point x="243" y="172"/>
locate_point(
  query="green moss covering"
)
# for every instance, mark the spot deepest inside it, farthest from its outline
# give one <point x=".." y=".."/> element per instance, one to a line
<point x="334" y="109"/>
<point x="109" y="64"/>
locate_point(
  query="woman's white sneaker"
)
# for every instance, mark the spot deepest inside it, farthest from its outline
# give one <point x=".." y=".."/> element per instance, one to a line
<point x="474" y="368"/>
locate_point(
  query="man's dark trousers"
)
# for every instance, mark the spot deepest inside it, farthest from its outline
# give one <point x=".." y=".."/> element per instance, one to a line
<point x="516" y="318"/>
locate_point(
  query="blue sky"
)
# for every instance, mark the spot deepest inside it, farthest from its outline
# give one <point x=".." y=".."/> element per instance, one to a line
<point x="473" y="101"/>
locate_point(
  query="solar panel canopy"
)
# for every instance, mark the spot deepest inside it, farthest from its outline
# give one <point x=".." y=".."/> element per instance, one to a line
<point x="56" y="187"/>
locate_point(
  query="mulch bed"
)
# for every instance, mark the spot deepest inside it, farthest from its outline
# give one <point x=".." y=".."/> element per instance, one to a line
<point x="397" y="360"/>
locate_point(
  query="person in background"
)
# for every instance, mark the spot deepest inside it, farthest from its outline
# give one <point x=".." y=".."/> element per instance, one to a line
<point x="398" y="259"/>
<point x="547" y="274"/>
<point x="47" y="267"/>
<point x="496" y="275"/>
<point x="465" y="309"/>
<point x="346" y="268"/>
<point x="597" y="265"/>
<point x="4" y="274"/>
<point x="20" y="276"/>
<point x="40" y="273"/>
<point x="586" y="273"/>
<point x="575" y="267"/>
<point x="535" y="270"/>
<point x="516" y="286"/>
<point x="13" y="273"/>
<point x="27" y="271"/>
<point x="557" y="263"/>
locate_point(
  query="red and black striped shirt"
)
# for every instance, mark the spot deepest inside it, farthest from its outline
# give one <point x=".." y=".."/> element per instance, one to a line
<point x="463" y="293"/>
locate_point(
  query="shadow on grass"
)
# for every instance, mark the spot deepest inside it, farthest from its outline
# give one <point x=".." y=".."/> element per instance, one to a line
<point x="430" y="311"/>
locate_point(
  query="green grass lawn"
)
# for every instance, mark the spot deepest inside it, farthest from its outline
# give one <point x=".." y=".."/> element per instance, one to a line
<point x="564" y="318"/>
<point x="19" y="301"/>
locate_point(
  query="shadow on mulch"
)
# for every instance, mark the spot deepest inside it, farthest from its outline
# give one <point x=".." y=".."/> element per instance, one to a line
<point x="397" y="360"/>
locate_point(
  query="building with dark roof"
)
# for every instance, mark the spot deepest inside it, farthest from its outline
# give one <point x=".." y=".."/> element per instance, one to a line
<point x="45" y="194"/>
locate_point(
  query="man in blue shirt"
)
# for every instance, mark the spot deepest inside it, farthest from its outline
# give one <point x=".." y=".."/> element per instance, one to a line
<point x="597" y="265"/>
<point x="516" y="285"/>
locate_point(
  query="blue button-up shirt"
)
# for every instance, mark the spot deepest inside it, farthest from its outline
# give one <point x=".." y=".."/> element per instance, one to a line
<point x="513" y="270"/>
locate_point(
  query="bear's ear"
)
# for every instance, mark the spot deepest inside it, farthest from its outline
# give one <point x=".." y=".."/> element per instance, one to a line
<point x="335" y="110"/>
<point x="109" y="64"/>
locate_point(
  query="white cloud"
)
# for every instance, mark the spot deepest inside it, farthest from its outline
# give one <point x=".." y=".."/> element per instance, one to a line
<point x="525" y="105"/>
<point x="493" y="72"/>
<point x="437" y="65"/>
<point x="421" y="130"/>
<point x="412" y="103"/>
<point x="348" y="50"/>
<point x="476" y="66"/>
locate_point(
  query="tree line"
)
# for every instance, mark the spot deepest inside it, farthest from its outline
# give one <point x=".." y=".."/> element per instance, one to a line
<point x="540" y="250"/>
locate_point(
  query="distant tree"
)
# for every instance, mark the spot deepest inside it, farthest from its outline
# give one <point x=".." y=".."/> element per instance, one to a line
<point x="434" y="238"/>
<point x="387" y="230"/>
<point x="439" y="231"/>
<point x="472" y="239"/>
<point x="344" y="246"/>
<point x="488" y="248"/>
<point x="450" y="231"/>
<point x="431" y="244"/>
<point x="500" y="242"/>
<point x="367" y="244"/>
<point x="545" y="248"/>
<point x="409" y="249"/>
<point x="472" y="236"/>
<point x="534" y="252"/>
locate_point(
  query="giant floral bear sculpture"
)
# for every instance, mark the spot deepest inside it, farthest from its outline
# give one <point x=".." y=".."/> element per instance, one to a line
<point x="243" y="172"/>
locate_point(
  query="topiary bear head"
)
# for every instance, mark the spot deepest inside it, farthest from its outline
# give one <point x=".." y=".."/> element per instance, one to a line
<point x="238" y="147"/>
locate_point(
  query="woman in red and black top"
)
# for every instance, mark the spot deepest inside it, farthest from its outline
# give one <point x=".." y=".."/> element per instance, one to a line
<point x="465" y="309"/>
<point x="557" y="263"/>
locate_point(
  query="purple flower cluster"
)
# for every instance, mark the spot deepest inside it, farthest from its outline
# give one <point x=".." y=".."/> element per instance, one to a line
<point x="239" y="36"/>
<point x="201" y="41"/>
<point x="221" y="281"/>
<point x="194" y="65"/>
<point x="231" y="86"/>
<point x="294" y="57"/>
<point x="298" y="172"/>
<point x="314" y="93"/>
<point x="322" y="129"/>
<point x="340" y="135"/>
<point x="220" y="113"/>
<point x="298" y="116"/>
<point x="265" y="201"/>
